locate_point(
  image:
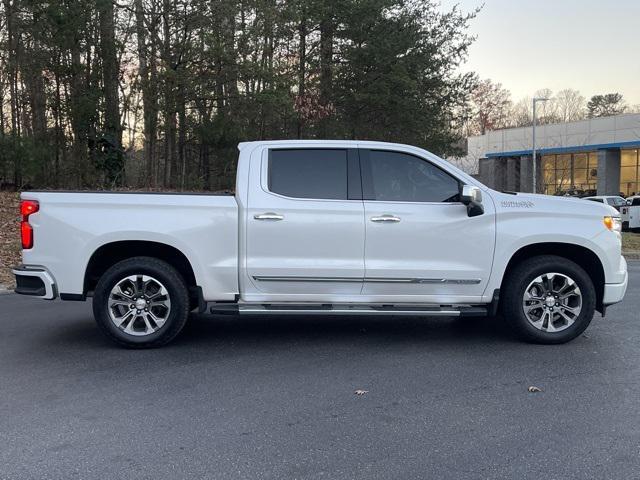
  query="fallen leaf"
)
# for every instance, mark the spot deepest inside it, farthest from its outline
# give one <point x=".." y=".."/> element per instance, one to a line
<point x="361" y="392"/>
<point x="533" y="389"/>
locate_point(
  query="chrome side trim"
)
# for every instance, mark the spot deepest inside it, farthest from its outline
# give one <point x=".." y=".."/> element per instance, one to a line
<point x="307" y="279"/>
<point x="458" y="281"/>
<point x="455" y="281"/>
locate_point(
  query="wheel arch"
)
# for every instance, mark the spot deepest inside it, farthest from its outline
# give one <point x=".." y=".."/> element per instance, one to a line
<point x="111" y="253"/>
<point x="583" y="256"/>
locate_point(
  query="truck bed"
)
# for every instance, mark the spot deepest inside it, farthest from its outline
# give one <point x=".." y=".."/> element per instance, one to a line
<point x="75" y="225"/>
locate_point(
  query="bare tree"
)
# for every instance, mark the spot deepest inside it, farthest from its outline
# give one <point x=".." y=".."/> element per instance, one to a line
<point x="490" y="107"/>
<point x="520" y="114"/>
<point x="548" y="111"/>
<point x="571" y="105"/>
<point x="566" y="106"/>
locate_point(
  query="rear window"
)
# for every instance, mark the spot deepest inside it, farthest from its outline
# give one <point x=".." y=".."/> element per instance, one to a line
<point x="309" y="173"/>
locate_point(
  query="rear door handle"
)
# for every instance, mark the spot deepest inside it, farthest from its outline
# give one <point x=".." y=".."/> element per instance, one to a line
<point x="268" y="216"/>
<point x="385" y="219"/>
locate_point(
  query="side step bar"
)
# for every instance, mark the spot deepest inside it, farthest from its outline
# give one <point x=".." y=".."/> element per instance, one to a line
<point x="349" y="309"/>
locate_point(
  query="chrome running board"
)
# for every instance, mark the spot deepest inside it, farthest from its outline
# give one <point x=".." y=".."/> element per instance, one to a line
<point x="349" y="309"/>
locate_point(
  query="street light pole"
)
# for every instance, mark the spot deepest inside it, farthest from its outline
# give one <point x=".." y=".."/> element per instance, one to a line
<point x="533" y="157"/>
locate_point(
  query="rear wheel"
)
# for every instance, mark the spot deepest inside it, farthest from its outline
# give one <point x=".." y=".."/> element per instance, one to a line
<point x="548" y="299"/>
<point x="141" y="302"/>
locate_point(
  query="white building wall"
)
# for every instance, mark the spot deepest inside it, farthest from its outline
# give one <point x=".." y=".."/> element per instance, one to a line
<point x="592" y="132"/>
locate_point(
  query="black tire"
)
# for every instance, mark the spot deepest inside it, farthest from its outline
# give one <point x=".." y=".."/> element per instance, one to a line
<point x="170" y="279"/>
<point x="517" y="281"/>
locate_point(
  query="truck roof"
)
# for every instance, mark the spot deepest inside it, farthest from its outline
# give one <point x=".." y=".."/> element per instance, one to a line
<point x="243" y="145"/>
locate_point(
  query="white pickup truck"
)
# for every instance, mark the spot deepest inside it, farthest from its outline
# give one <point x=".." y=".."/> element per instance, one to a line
<point x="326" y="227"/>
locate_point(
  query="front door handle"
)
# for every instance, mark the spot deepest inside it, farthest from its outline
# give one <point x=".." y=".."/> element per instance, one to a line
<point x="385" y="219"/>
<point x="268" y="216"/>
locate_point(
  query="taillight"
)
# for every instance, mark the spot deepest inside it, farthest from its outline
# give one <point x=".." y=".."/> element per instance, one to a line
<point x="27" y="207"/>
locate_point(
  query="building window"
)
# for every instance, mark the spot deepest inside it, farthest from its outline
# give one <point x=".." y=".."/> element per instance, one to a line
<point x="570" y="172"/>
<point x="628" y="172"/>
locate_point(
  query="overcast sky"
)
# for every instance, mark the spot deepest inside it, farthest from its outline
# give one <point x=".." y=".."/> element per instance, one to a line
<point x="588" y="45"/>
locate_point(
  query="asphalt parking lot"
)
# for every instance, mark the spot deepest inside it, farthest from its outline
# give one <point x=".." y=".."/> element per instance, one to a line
<point x="274" y="398"/>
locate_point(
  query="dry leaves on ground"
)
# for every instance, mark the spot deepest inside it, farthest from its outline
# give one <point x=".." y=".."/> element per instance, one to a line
<point x="9" y="236"/>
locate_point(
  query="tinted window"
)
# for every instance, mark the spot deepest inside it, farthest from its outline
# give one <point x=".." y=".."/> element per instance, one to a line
<point x="596" y="200"/>
<point x="400" y="177"/>
<point x="309" y="173"/>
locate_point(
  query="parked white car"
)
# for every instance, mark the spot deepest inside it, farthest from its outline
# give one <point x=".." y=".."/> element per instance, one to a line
<point x="326" y="227"/>
<point x="615" y="201"/>
<point x="630" y="215"/>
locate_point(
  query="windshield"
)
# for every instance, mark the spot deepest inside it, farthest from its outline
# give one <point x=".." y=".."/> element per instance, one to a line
<point x="617" y="201"/>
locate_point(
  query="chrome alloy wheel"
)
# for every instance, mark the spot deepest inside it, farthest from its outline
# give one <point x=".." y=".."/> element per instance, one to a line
<point x="139" y="305"/>
<point x="552" y="302"/>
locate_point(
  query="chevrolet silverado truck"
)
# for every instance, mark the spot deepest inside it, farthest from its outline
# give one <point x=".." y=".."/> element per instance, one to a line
<point x="326" y="228"/>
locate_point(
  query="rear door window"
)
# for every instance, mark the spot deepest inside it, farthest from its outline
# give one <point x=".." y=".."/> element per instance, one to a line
<point x="309" y="173"/>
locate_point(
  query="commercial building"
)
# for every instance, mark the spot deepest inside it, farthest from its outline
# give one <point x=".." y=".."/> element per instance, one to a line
<point x="598" y="155"/>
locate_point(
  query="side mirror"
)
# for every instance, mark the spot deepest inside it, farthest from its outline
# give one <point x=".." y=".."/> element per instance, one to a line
<point x="472" y="197"/>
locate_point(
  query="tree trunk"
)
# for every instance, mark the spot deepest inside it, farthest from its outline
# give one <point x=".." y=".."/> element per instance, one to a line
<point x="302" y="59"/>
<point x="153" y="102"/>
<point x="60" y="140"/>
<point x="169" y="99"/>
<point x="148" y="103"/>
<point x="182" y="135"/>
<point x="31" y="67"/>
<point x="231" y="67"/>
<point x="12" y="70"/>
<point x="78" y="118"/>
<point x="326" y="68"/>
<point x="110" y="79"/>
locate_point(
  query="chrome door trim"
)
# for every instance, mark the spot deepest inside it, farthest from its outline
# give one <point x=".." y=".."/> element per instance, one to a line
<point x="306" y="279"/>
<point x="456" y="281"/>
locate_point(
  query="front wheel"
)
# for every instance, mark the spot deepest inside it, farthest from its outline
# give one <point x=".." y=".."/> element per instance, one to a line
<point x="141" y="302"/>
<point x="548" y="299"/>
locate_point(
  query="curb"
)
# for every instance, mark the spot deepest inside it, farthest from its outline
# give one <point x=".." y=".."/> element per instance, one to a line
<point x="631" y="255"/>
<point x="4" y="290"/>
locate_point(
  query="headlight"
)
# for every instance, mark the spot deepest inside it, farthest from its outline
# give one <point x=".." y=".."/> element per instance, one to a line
<point x="613" y="223"/>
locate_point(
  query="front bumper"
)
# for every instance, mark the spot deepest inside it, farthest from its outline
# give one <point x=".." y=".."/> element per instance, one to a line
<point x="35" y="281"/>
<point x="614" y="292"/>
